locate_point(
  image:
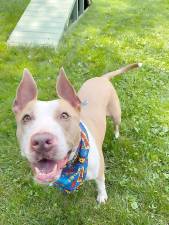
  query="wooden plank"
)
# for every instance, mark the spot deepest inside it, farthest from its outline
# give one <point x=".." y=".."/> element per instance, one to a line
<point x="41" y="20"/>
<point x="34" y="38"/>
<point x="40" y="25"/>
<point x="47" y="8"/>
<point x="65" y="5"/>
<point x="42" y="13"/>
<point x="55" y="2"/>
<point x="43" y="28"/>
<point x="35" y="35"/>
<point x="35" y="42"/>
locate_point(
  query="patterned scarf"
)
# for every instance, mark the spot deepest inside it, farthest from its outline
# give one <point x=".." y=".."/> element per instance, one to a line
<point x="74" y="172"/>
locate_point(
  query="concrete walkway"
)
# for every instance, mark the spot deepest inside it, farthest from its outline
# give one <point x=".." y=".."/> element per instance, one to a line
<point x="43" y="22"/>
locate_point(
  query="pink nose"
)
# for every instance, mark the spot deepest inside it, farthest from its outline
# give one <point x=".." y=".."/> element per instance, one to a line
<point x="43" y="142"/>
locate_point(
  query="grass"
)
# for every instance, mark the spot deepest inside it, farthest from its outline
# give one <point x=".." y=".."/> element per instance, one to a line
<point x="111" y="34"/>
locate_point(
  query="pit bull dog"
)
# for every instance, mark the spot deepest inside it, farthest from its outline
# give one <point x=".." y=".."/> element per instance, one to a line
<point x="49" y="132"/>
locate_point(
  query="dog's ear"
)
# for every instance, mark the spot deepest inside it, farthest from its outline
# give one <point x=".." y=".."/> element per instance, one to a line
<point x="66" y="91"/>
<point x="26" y="92"/>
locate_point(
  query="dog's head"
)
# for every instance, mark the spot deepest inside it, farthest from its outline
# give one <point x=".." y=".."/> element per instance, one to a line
<point x="48" y="131"/>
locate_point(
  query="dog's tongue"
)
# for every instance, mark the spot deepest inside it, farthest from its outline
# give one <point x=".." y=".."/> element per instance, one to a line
<point x="48" y="170"/>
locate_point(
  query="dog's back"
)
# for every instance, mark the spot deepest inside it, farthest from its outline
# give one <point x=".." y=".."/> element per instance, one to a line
<point x="99" y="99"/>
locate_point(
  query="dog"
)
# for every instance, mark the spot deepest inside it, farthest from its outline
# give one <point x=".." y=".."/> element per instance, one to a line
<point x="49" y="133"/>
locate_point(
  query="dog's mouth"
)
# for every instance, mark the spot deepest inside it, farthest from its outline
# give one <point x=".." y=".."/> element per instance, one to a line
<point x="47" y="170"/>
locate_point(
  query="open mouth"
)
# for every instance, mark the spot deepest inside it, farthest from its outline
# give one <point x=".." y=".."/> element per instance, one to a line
<point x="47" y="170"/>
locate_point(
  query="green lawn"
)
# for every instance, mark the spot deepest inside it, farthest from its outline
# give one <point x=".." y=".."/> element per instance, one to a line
<point x="111" y="34"/>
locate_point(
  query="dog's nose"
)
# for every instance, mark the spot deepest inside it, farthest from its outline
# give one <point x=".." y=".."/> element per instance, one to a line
<point x="43" y="142"/>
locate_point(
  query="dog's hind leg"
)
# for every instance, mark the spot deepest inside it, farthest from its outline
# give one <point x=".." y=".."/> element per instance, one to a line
<point x="114" y="111"/>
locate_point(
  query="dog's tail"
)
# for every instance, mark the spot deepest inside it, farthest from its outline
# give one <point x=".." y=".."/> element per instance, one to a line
<point x="122" y="70"/>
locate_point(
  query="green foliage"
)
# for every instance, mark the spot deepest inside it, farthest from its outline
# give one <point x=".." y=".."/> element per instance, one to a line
<point x="111" y="34"/>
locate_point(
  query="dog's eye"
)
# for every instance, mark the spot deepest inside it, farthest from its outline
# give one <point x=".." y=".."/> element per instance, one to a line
<point x="64" y="115"/>
<point x="26" y="118"/>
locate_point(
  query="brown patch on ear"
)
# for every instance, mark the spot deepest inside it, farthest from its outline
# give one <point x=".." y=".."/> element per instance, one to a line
<point x="66" y="91"/>
<point x="26" y="92"/>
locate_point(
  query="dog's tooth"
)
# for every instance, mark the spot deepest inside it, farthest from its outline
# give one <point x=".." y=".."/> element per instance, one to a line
<point x="37" y="170"/>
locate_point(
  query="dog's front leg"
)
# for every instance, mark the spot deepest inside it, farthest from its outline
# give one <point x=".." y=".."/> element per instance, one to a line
<point x="102" y="194"/>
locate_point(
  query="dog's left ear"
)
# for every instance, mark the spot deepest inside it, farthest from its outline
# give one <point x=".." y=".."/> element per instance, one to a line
<point x="66" y="91"/>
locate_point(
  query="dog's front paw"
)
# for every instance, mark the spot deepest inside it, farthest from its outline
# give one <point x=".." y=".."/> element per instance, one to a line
<point x="102" y="198"/>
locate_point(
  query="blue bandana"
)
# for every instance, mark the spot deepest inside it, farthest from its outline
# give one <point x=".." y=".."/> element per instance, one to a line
<point x="74" y="172"/>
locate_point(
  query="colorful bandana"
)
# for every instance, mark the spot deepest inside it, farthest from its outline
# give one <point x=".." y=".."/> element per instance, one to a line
<point x="74" y="173"/>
